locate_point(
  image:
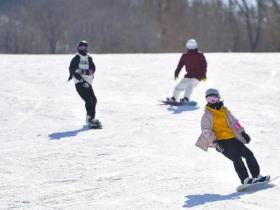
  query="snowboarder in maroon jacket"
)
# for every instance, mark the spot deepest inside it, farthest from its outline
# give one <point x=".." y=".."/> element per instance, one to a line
<point x="196" y="67"/>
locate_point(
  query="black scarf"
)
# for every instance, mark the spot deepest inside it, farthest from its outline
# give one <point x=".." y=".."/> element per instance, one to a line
<point x="217" y="105"/>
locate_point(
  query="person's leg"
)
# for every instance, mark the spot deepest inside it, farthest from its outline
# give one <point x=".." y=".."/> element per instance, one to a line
<point x="85" y="94"/>
<point x="191" y="84"/>
<point x="251" y="161"/>
<point x="180" y="87"/>
<point x="231" y="153"/>
<point x="240" y="168"/>
<point x="91" y="104"/>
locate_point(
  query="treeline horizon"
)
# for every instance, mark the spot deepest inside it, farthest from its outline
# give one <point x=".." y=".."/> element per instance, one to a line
<point x="139" y="26"/>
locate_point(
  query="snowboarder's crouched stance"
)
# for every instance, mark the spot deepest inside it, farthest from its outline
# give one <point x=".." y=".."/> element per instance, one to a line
<point x="82" y="71"/>
<point x="221" y="130"/>
<point x="195" y="64"/>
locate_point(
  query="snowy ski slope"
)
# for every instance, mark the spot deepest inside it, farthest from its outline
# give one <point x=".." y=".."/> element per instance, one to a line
<point x="144" y="158"/>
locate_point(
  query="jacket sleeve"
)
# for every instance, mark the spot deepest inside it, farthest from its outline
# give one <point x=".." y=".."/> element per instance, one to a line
<point x="207" y="130"/>
<point x="234" y="122"/>
<point x="91" y="64"/>
<point x="203" y="66"/>
<point x="179" y="66"/>
<point x="74" y="65"/>
<point x="238" y="129"/>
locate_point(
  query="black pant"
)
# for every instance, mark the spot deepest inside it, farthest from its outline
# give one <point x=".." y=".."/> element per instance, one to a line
<point x="235" y="150"/>
<point x="88" y="96"/>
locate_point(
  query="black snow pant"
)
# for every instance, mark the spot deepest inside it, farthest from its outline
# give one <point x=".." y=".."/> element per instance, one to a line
<point x="88" y="96"/>
<point x="235" y="151"/>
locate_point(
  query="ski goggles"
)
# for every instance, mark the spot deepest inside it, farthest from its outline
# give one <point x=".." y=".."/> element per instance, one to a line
<point x="212" y="99"/>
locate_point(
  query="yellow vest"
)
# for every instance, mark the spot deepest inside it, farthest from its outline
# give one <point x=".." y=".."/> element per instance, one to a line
<point x="220" y="125"/>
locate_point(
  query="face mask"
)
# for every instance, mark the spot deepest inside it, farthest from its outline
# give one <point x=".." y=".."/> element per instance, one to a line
<point x="212" y="99"/>
<point x="82" y="50"/>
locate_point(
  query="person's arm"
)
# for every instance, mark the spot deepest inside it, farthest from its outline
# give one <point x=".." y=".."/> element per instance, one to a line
<point x="203" y="67"/>
<point x="91" y="69"/>
<point x="179" y="67"/>
<point x="76" y="72"/>
<point x="207" y="130"/>
<point x="74" y="68"/>
<point x="237" y="127"/>
<point x="235" y="122"/>
<point x="91" y="64"/>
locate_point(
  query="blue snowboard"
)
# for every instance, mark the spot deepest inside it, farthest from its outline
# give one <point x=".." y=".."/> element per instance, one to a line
<point x="174" y="103"/>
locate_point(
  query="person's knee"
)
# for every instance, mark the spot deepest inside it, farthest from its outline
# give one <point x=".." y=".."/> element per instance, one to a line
<point x="248" y="154"/>
<point x="179" y="88"/>
<point x="236" y="160"/>
<point x="92" y="101"/>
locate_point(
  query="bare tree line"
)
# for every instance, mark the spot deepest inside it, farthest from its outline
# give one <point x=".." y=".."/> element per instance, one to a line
<point x="129" y="26"/>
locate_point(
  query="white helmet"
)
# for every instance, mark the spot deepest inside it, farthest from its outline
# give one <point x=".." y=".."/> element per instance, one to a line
<point x="191" y="44"/>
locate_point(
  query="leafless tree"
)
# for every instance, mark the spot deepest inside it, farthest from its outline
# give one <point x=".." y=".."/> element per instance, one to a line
<point x="234" y="28"/>
<point x="254" y="17"/>
<point x="128" y="26"/>
<point x="276" y="5"/>
<point x="49" y="17"/>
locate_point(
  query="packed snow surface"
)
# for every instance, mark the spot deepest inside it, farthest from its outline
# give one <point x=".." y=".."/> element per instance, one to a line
<point x="145" y="157"/>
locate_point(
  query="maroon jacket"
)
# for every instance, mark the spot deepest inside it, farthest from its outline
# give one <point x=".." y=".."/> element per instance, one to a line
<point x="195" y="64"/>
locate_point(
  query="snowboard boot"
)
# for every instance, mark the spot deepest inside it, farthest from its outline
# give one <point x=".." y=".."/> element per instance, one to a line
<point x="248" y="180"/>
<point x="94" y="123"/>
<point x="87" y="118"/>
<point x="184" y="100"/>
<point x="172" y="99"/>
<point x="261" y="179"/>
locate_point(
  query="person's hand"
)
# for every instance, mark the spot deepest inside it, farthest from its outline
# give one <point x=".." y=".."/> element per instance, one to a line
<point x="85" y="85"/>
<point x="218" y="147"/>
<point x="78" y="71"/>
<point x="90" y="72"/>
<point x="176" y="76"/>
<point x="246" y="137"/>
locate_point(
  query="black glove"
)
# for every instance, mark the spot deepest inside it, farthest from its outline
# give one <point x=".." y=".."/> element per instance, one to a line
<point x="218" y="147"/>
<point x="246" y="137"/>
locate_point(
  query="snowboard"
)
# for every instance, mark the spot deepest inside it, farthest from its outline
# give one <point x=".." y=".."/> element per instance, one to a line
<point x="248" y="187"/>
<point x="95" y="127"/>
<point x="175" y="103"/>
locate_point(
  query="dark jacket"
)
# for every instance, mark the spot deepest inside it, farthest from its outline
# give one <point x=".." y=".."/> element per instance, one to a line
<point x="195" y="64"/>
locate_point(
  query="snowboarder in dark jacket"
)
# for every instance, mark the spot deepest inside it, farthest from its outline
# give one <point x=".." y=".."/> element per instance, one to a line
<point x="82" y="70"/>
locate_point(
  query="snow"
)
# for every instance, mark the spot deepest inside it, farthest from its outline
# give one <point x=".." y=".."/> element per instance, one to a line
<point x="145" y="157"/>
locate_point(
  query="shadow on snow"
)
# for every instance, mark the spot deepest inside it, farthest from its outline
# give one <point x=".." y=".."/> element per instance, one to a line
<point x="180" y="109"/>
<point x="64" y="134"/>
<point x="196" y="200"/>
